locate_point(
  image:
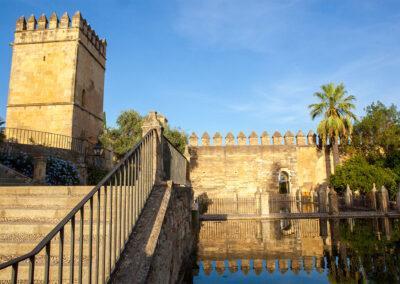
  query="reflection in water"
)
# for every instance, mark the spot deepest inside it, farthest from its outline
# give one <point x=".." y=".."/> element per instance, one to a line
<point x="289" y="251"/>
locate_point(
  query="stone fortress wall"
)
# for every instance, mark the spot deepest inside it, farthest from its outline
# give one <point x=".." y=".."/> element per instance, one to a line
<point x="250" y="164"/>
<point x="57" y="77"/>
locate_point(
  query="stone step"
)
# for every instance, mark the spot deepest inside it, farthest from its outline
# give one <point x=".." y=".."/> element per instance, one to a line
<point x="48" y="216"/>
<point x="17" y="244"/>
<point x="23" y="270"/>
<point x="53" y="200"/>
<point x="13" y="249"/>
<point x="44" y="190"/>
<point x="12" y="181"/>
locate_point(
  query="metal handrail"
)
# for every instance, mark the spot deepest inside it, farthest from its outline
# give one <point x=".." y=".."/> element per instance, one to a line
<point x="48" y="139"/>
<point x="175" y="163"/>
<point x="131" y="181"/>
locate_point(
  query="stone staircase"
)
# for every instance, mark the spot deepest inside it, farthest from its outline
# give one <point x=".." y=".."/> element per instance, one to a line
<point x="9" y="177"/>
<point x="27" y="215"/>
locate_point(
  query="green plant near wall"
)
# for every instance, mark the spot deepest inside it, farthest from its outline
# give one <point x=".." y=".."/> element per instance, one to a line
<point x="20" y="162"/>
<point x="360" y="175"/>
<point x="128" y="132"/>
<point x="60" y="172"/>
<point x="95" y="175"/>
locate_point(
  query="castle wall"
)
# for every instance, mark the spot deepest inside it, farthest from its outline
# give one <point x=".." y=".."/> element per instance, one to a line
<point x="57" y="77"/>
<point x="244" y="169"/>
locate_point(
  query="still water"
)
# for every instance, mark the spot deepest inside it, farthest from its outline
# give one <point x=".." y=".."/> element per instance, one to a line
<point x="299" y="251"/>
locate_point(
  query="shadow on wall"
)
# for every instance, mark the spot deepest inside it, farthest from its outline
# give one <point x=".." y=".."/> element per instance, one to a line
<point x="193" y="158"/>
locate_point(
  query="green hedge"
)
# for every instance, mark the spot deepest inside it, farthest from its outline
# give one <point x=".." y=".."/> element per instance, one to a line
<point x="360" y="175"/>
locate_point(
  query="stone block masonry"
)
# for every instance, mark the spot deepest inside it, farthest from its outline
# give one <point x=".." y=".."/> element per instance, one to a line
<point x="57" y="77"/>
<point x="162" y="241"/>
<point x="247" y="165"/>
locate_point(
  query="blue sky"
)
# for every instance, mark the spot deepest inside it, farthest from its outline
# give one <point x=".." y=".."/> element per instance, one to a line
<point x="232" y="65"/>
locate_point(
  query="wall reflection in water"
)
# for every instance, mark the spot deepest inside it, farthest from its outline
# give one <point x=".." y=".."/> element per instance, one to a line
<point x="330" y="251"/>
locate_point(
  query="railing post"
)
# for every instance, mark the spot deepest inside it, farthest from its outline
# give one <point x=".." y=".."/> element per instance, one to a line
<point x="39" y="169"/>
<point x="322" y="200"/>
<point x="264" y="203"/>
<point x="383" y="199"/>
<point x="156" y="122"/>
<point x="333" y="202"/>
<point x="348" y="197"/>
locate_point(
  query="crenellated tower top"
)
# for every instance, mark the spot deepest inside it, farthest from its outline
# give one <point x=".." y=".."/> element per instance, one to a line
<point x="288" y="139"/>
<point x="53" y="30"/>
<point x="57" y="76"/>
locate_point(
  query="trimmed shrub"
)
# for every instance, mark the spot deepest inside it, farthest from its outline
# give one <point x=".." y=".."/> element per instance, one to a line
<point x="60" y="172"/>
<point x="360" y="175"/>
<point x="21" y="162"/>
<point x="95" y="175"/>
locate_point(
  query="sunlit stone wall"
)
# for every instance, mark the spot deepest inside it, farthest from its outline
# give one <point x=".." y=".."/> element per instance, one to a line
<point x="244" y="165"/>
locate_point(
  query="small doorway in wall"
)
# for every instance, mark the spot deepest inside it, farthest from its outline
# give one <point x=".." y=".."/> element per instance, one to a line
<point x="284" y="184"/>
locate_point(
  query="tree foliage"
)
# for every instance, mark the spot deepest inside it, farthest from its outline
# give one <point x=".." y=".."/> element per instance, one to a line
<point x="129" y="132"/>
<point x="377" y="134"/>
<point x="335" y="108"/>
<point x="360" y="175"/>
<point x="177" y="137"/>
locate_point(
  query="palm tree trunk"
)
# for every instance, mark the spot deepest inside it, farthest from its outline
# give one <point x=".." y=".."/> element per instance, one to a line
<point x="335" y="150"/>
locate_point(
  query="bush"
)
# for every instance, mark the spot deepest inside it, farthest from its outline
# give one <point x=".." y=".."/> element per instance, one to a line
<point x="60" y="172"/>
<point x="95" y="175"/>
<point x="20" y="162"/>
<point x="360" y="175"/>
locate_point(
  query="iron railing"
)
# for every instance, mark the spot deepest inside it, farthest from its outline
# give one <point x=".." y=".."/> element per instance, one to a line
<point x="174" y="163"/>
<point x="87" y="243"/>
<point x="47" y="139"/>
<point x="251" y="204"/>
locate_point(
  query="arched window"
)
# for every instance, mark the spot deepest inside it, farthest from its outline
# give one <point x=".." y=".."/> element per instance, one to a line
<point x="284" y="185"/>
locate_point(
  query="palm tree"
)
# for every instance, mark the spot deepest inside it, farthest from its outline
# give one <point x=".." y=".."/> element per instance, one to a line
<point x="335" y="107"/>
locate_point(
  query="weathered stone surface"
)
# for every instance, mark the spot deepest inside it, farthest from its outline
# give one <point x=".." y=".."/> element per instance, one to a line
<point x="253" y="138"/>
<point x="242" y="139"/>
<point x="398" y="201"/>
<point x="193" y="140"/>
<point x="265" y="139"/>
<point x="348" y="198"/>
<point x="205" y="139"/>
<point x="383" y="199"/>
<point x="300" y="138"/>
<point x="333" y="202"/>
<point x="162" y="240"/>
<point x="39" y="169"/>
<point x="69" y="100"/>
<point x="245" y="168"/>
<point x="217" y="139"/>
<point x="372" y="198"/>
<point x="323" y="200"/>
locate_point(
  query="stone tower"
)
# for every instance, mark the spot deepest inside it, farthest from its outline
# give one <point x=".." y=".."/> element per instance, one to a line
<point x="57" y="77"/>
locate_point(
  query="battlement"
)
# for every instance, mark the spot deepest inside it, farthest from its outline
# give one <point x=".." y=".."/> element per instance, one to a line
<point x="253" y="139"/>
<point x="44" y="30"/>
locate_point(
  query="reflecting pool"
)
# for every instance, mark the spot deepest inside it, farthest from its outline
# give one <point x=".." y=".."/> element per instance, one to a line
<point x="298" y="251"/>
